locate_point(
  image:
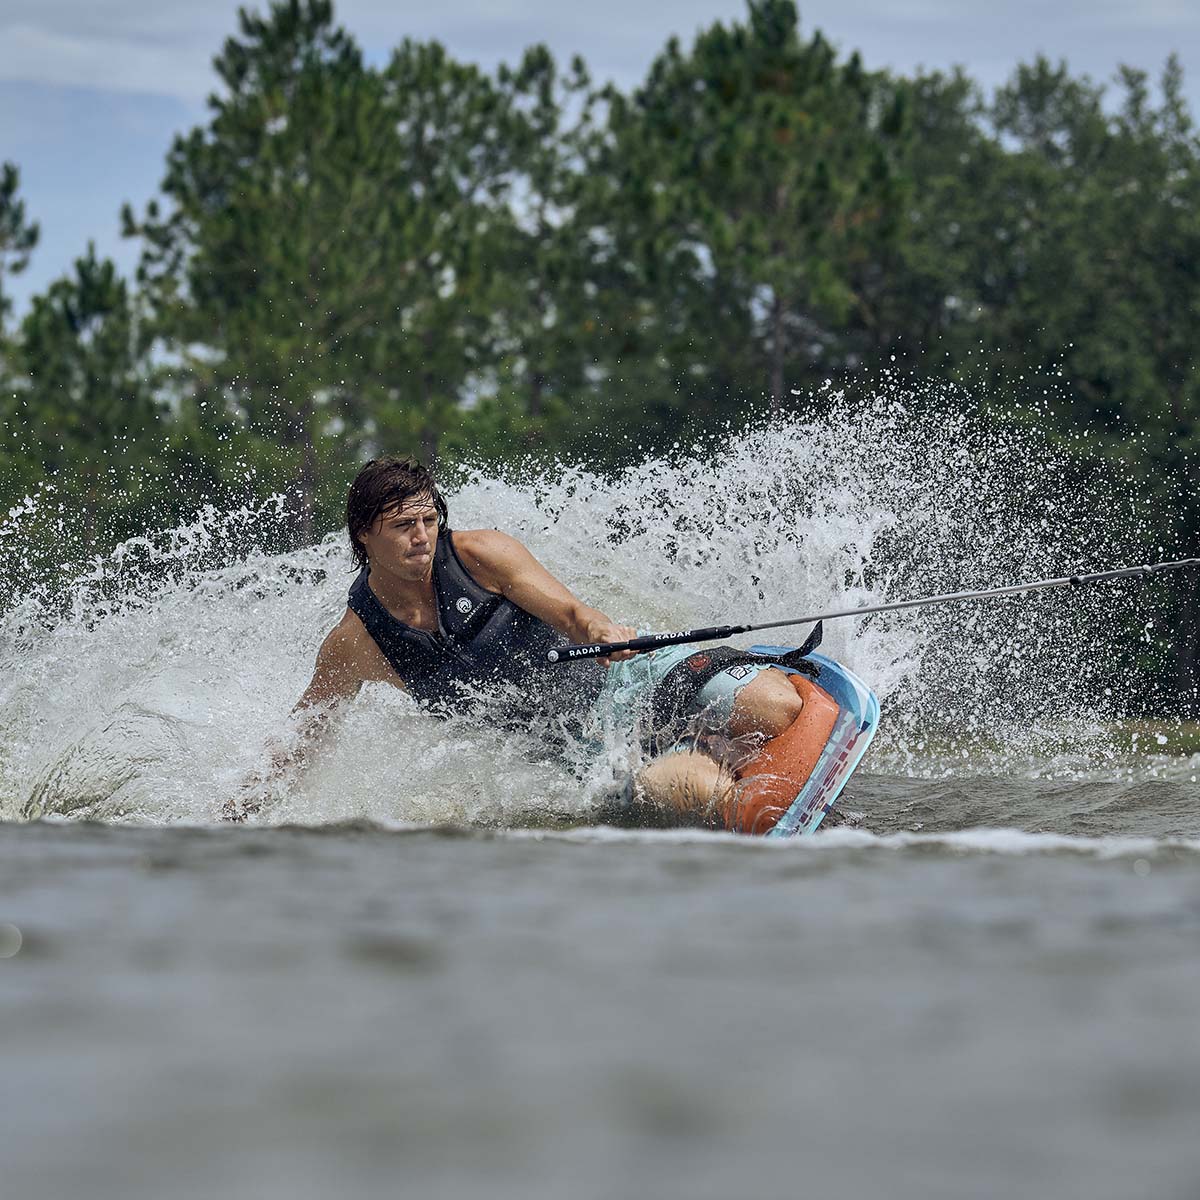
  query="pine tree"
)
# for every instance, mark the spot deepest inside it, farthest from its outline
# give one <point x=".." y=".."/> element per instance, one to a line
<point x="81" y="414"/>
<point x="18" y="237"/>
<point x="759" y="172"/>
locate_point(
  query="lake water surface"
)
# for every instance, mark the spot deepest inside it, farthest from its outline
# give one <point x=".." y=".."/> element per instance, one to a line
<point x="360" y="1010"/>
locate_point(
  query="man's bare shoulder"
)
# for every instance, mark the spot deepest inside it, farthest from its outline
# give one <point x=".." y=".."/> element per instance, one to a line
<point x="349" y="649"/>
<point x="484" y="542"/>
<point x="346" y="635"/>
<point x="486" y="553"/>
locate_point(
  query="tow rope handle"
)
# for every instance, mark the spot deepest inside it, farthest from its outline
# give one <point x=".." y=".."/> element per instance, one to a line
<point x="648" y="641"/>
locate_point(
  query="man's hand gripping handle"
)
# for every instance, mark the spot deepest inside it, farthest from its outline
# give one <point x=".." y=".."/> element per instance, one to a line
<point x="649" y="641"/>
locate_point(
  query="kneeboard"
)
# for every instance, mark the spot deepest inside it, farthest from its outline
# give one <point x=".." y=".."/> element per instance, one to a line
<point x="853" y="728"/>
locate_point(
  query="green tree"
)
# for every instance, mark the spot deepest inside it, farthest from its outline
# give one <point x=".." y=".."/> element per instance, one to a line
<point x="322" y="262"/>
<point x="443" y="328"/>
<point x="545" y="338"/>
<point x="759" y="171"/>
<point x="1105" y="289"/>
<point x="917" y="289"/>
<point x="18" y="236"/>
<point x="81" y="415"/>
<point x="1053" y="245"/>
<point x="264" y="265"/>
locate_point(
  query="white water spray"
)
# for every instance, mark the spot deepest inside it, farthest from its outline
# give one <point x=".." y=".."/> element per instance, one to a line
<point x="148" y="687"/>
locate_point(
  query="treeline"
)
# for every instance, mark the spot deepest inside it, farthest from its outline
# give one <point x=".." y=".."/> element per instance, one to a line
<point x="424" y="255"/>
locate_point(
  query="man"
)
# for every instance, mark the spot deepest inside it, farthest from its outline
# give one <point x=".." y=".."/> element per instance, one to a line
<point x="450" y="615"/>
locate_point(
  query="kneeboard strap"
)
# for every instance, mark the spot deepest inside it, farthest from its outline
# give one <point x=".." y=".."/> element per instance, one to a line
<point x="674" y="694"/>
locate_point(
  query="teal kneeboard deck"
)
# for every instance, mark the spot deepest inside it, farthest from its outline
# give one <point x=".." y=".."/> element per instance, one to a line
<point x="857" y="720"/>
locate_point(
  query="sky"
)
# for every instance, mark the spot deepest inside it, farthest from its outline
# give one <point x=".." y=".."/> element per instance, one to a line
<point x="92" y="91"/>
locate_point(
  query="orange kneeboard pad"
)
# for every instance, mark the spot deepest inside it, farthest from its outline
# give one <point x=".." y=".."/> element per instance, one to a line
<point x="774" y="777"/>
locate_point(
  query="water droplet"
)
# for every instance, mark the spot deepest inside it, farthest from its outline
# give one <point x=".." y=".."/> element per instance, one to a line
<point x="10" y="940"/>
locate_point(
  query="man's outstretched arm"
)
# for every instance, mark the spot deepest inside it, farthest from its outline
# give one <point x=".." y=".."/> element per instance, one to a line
<point x="502" y="564"/>
<point x="338" y="676"/>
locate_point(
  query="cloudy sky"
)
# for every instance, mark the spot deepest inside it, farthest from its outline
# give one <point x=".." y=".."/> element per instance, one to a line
<point x="91" y="91"/>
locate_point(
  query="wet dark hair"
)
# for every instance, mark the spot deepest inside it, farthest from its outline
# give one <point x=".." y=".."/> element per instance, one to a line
<point x="383" y="484"/>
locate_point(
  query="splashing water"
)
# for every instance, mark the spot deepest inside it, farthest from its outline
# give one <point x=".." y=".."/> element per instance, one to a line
<point x="148" y="687"/>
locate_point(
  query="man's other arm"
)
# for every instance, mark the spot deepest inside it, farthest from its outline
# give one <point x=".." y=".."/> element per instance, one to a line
<point x="344" y="664"/>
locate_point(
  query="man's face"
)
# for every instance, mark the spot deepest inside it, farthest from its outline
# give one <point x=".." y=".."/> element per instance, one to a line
<point x="403" y="538"/>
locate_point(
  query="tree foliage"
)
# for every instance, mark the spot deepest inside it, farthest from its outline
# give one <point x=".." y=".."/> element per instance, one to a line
<point x="423" y="255"/>
<point x="82" y="415"/>
<point x="18" y="236"/>
<point x="768" y="174"/>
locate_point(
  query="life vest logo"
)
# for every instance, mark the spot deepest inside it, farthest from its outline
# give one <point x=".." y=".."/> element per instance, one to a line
<point x="698" y="662"/>
<point x="463" y="605"/>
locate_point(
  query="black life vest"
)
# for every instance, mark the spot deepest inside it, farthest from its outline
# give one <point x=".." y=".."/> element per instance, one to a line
<point x="482" y="639"/>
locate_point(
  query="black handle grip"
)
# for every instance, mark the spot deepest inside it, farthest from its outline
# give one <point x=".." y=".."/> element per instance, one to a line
<point x="649" y="641"/>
